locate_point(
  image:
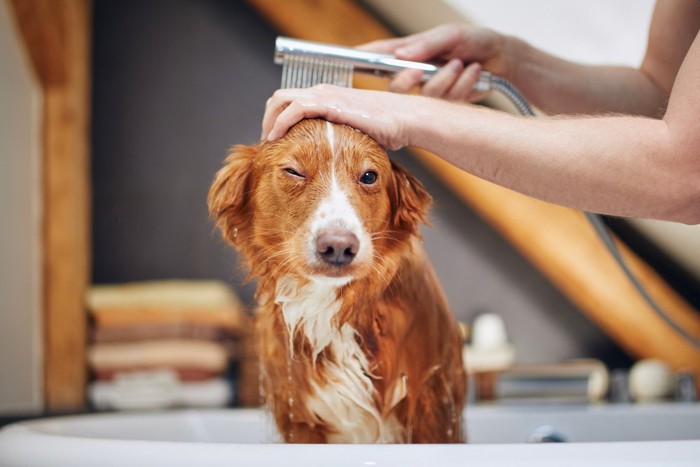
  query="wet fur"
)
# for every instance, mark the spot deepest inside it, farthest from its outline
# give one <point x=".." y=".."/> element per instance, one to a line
<point x="391" y="332"/>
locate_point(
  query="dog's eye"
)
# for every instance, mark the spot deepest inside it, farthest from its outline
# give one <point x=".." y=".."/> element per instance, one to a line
<point x="293" y="172"/>
<point x="368" y="177"/>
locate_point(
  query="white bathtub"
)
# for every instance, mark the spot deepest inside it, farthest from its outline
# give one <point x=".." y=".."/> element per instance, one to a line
<point x="663" y="435"/>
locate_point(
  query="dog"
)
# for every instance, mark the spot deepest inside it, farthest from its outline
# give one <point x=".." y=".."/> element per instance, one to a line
<point x="357" y="343"/>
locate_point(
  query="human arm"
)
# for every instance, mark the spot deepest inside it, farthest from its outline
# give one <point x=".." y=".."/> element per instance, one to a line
<point x="553" y="84"/>
<point x="618" y="165"/>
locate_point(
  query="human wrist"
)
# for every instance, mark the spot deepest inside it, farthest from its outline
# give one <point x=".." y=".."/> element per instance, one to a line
<point x="428" y="126"/>
<point x="517" y="54"/>
<point x="417" y="124"/>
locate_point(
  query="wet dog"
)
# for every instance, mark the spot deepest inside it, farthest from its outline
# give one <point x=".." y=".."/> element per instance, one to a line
<point x="356" y="339"/>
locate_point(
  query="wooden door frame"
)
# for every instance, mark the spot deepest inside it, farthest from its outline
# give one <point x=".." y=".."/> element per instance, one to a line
<point x="57" y="38"/>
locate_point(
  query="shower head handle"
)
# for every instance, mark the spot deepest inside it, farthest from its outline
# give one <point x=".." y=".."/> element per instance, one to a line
<point x="361" y="60"/>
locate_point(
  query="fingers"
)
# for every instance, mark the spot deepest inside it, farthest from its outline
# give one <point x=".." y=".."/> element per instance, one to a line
<point x="288" y="117"/>
<point x="274" y="106"/>
<point x="454" y="81"/>
<point x="444" y="79"/>
<point x="385" y="46"/>
<point x="430" y="44"/>
<point x="421" y="46"/>
<point x="405" y="80"/>
<point x="285" y="108"/>
<point x="463" y="88"/>
<point x="452" y="42"/>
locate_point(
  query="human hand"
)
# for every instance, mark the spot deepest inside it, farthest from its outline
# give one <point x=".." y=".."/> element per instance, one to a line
<point x="384" y="116"/>
<point x="452" y="45"/>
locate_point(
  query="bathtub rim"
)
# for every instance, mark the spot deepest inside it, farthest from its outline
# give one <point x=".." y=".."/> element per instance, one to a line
<point x="54" y="448"/>
<point x="62" y="451"/>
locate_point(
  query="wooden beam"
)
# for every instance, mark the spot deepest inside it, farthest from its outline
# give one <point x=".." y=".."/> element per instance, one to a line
<point x="44" y="37"/>
<point x="306" y="19"/>
<point x="556" y="240"/>
<point x="57" y="37"/>
<point x="564" y="247"/>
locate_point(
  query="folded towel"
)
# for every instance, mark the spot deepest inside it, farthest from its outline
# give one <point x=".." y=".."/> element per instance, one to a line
<point x="166" y="302"/>
<point x="182" y="374"/>
<point x="158" y="390"/>
<point x="168" y="353"/>
<point x="139" y="332"/>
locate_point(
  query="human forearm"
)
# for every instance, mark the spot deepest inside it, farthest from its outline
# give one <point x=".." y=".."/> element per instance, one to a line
<point x="619" y="165"/>
<point x="559" y="86"/>
<point x="609" y="165"/>
<point x="555" y="85"/>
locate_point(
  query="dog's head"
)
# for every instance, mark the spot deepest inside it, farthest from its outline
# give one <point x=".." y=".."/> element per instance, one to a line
<point x="324" y="202"/>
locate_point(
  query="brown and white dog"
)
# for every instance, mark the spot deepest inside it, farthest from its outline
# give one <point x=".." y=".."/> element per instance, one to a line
<point x="356" y="339"/>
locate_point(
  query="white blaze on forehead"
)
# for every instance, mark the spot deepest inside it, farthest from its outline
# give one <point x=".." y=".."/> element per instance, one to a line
<point x="335" y="209"/>
<point x="330" y="136"/>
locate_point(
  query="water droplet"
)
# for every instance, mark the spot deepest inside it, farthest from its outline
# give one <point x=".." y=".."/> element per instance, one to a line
<point x="290" y="399"/>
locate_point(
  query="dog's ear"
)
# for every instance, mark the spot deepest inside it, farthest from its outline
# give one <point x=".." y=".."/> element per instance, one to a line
<point x="410" y="201"/>
<point x="230" y="195"/>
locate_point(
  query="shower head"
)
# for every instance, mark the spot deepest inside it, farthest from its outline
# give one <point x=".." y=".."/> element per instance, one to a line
<point x="361" y="60"/>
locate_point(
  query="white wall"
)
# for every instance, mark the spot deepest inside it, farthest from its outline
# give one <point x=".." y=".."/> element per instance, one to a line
<point x="20" y="226"/>
<point x="594" y="31"/>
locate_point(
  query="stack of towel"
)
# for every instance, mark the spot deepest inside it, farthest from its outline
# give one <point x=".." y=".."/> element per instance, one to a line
<point x="163" y="344"/>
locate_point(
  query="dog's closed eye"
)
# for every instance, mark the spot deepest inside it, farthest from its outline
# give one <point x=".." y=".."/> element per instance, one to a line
<point x="293" y="172"/>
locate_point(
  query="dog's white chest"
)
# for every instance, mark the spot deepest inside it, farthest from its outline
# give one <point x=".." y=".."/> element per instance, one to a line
<point x="345" y="398"/>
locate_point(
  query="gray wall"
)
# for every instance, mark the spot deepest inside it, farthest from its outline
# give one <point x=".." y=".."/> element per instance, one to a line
<point x="178" y="82"/>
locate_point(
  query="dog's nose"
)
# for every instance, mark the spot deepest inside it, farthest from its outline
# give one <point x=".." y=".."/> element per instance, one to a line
<point x="337" y="248"/>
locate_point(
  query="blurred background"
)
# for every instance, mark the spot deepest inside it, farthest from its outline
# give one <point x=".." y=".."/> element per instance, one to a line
<point x="113" y="121"/>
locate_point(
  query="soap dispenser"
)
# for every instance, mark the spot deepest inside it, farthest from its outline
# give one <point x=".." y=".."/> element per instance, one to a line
<point x="488" y="354"/>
